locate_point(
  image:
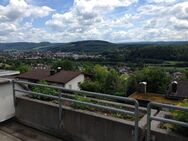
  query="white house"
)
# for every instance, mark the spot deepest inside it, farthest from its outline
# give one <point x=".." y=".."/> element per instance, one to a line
<point x="66" y="79"/>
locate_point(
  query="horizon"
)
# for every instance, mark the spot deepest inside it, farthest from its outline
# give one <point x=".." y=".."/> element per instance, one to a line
<point x="126" y="42"/>
<point x="118" y="21"/>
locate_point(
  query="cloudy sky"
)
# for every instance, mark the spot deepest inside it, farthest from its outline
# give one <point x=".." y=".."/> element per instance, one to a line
<point x="110" y="20"/>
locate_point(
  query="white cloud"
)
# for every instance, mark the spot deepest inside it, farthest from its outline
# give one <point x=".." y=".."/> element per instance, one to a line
<point x="94" y="19"/>
<point x="87" y="19"/>
<point x="18" y="9"/>
<point x="161" y="1"/>
<point x="92" y="5"/>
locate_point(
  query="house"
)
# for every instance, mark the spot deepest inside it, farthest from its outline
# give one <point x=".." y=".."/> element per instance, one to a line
<point x="66" y="79"/>
<point x="145" y="97"/>
<point x="177" y="75"/>
<point x="178" y="90"/>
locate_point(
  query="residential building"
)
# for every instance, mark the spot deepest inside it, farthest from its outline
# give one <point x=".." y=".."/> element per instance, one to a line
<point x="66" y="79"/>
<point x="178" y="90"/>
<point x="145" y="97"/>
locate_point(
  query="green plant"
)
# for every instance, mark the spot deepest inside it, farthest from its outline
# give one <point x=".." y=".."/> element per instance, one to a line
<point x="157" y="80"/>
<point x="44" y="90"/>
<point x="180" y="116"/>
<point x="81" y="99"/>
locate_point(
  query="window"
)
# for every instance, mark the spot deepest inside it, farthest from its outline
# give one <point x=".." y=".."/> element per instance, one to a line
<point x="70" y="86"/>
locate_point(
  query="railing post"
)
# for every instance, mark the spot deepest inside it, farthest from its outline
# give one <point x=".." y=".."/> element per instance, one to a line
<point x="14" y="94"/>
<point x="148" y="122"/>
<point x="136" y="120"/>
<point x="60" y="109"/>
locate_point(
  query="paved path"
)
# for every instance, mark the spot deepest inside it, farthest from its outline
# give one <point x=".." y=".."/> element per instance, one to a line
<point x="13" y="131"/>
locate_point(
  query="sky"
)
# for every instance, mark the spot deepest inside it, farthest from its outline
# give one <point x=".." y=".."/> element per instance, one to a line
<point x="109" y="20"/>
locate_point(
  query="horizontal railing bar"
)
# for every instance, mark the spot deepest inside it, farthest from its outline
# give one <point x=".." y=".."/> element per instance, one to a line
<point x="99" y="106"/>
<point x="160" y="105"/>
<point x="163" y="119"/>
<point x="98" y="100"/>
<point x="35" y="93"/>
<point x="79" y="102"/>
<point x="83" y="92"/>
<point x="169" y="121"/>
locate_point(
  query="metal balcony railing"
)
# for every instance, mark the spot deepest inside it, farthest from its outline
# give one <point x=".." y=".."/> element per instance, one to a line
<point x="162" y="119"/>
<point x="61" y="98"/>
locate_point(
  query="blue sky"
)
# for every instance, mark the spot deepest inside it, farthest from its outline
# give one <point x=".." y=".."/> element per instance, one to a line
<point x="110" y="20"/>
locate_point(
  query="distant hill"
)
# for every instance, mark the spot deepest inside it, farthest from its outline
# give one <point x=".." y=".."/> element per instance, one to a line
<point x="141" y="50"/>
<point x="83" y="46"/>
<point x="22" y="46"/>
<point x="86" y="46"/>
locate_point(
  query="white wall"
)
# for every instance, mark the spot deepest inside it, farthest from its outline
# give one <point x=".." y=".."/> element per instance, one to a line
<point x="7" y="109"/>
<point x="74" y="83"/>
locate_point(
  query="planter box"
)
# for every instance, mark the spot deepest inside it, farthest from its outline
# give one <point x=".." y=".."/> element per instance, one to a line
<point x="158" y="134"/>
<point x="76" y="125"/>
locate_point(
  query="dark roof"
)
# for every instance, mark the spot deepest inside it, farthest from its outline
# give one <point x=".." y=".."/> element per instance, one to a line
<point x="62" y="76"/>
<point x="182" y="90"/>
<point x="153" y="97"/>
<point x="35" y="74"/>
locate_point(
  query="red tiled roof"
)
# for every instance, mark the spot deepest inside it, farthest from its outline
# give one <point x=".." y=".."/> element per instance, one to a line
<point x="62" y="76"/>
<point x="44" y="74"/>
<point x="35" y="74"/>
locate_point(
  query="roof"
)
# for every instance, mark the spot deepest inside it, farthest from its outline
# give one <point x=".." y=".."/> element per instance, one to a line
<point x="35" y="74"/>
<point x="8" y="72"/>
<point x="182" y="90"/>
<point x="153" y="97"/>
<point x="61" y="77"/>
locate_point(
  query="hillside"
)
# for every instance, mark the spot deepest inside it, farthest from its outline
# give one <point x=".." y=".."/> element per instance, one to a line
<point x="118" y="51"/>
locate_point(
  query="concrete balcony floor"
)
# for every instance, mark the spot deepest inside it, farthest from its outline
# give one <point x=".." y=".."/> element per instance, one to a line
<point x="14" y="131"/>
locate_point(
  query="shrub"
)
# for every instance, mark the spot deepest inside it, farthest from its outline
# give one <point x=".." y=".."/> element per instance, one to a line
<point x="44" y="90"/>
<point x="181" y="116"/>
<point x="81" y="99"/>
<point x="157" y="80"/>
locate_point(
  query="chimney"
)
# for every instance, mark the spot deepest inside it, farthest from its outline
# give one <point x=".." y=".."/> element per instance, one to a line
<point x="174" y="85"/>
<point x="142" y="87"/>
<point x="52" y="72"/>
<point x="58" y="69"/>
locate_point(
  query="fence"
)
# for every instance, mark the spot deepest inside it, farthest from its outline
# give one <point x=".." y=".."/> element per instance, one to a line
<point x="60" y="98"/>
<point x="159" y="105"/>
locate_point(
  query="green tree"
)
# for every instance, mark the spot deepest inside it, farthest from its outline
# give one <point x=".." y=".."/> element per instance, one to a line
<point x="186" y="74"/>
<point x="65" y="65"/>
<point x="90" y="85"/>
<point x="111" y="82"/>
<point x="23" y="68"/>
<point x="100" y="73"/>
<point x="105" y="81"/>
<point x="157" y="80"/>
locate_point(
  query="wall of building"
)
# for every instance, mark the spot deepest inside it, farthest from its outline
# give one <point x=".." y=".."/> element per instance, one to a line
<point x="76" y="125"/>
<point x="74" y="83"/>
<point x="7" y="109"/>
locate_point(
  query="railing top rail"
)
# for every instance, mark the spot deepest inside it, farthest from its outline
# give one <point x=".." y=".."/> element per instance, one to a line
<point x="162" y="119"/>
<point x="161" y="105"/>
<point x="77" y="101"/>
<point x="135" y="113"/>
<point x="135" y="102"/>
